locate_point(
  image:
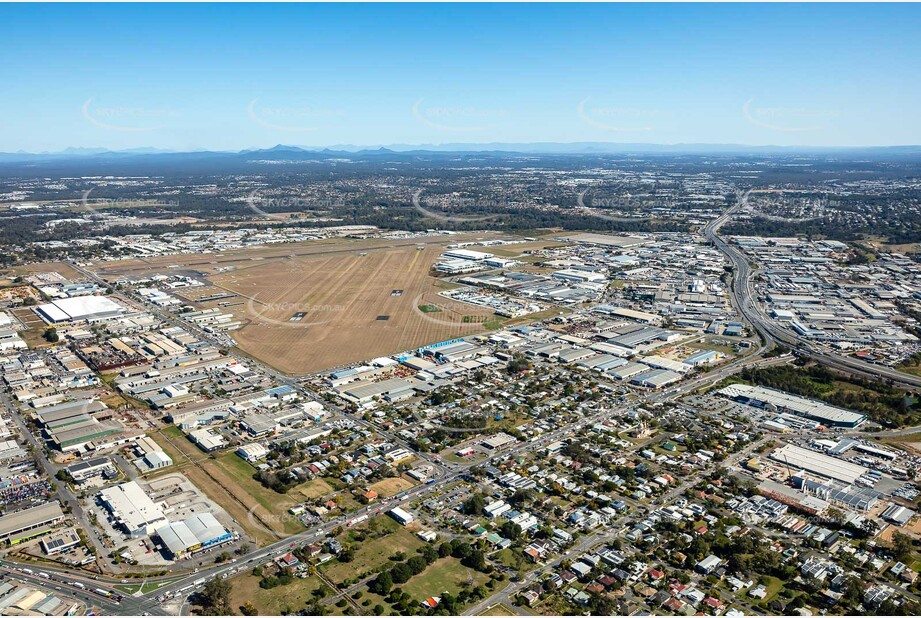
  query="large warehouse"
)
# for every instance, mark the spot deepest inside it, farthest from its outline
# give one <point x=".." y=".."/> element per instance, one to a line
<point x="784" y="402"/>
<point x="80" y="309"/>
<point x="133" y="509"/>
<point x="797" y="458"/>
<point x="194" y="534"/>
<point x="36" y="519"/>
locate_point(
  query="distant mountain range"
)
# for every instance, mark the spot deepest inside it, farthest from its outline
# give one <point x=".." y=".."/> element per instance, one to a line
<point x="92" y="161"/>
<point x="283" y="151"/>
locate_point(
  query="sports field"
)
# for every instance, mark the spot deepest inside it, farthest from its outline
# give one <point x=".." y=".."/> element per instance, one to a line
<point x="311" y="312"/>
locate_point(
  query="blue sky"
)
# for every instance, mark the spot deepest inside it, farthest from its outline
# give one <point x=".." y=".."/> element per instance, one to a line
<point x="238" y="76"/>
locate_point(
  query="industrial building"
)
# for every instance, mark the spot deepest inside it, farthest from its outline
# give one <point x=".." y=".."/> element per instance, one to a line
<point x="401" y="516"/>
<point x="797" y="458"/>
<point x="88" y="469"/>
<point x="393" y="389"/>
<point x="60" y="541"/>
<point x="579" y="276"/>
<point x="771" y="399"/>
<point x="498" y="441"/>
<point x="29" y="523"/>
<point x="853" y="497"/>
<point x="898" y="515"/>
<point x="252" y="452"/>
<point x="207" y="440"/>
<point x="656" y="378"/>
<point x="192" y="535"/>
<point x="80" y="309"/>
<point x="466" y="254"/>
<point x="157" y="460"/>
<point x="132" y="509"/>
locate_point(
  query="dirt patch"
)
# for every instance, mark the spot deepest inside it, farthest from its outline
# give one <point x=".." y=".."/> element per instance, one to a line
<point x="391" y="487"/>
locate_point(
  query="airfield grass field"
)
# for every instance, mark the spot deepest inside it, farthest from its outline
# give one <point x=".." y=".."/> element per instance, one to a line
<point x="345" y="292"/>
<point x="350" y="307"/>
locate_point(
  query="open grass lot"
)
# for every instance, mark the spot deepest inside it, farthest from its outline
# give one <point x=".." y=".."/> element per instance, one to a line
<point x="227" y="480"/>
<point x="708" y="344"/>
<point x="62" y="268"/>
<point x="274" y="602"/>
<point x="514" y="559"/>
<point x="910" y="442"/>
<point x="391" y="487"/>
<point x="773" y="586"/>
<point x="372" y="553"/>
<point x="175" y="444"/>
<point x="242" y="475"/>
<point x="499" y="610"/>
<point x="443" y="575"/>
<point x="310" y="490"/>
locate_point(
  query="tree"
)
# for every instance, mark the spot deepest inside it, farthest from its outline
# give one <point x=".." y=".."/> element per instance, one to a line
<point x="248" y="609"/>
<point x="51" y="335"/>
<point x="474" y="505"/>
<point x="416" y="564"/>
<point x="476" y="560"/>
<point x="401" y="573"/>
<point x="216" y="597"/>
<point x="510" y="530"/>
<point x="902" y="546"/>
<point x="383" y="584"/>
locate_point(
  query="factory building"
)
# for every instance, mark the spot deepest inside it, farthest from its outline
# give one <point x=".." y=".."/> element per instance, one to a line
<point x="579" y="276"/>
<point x="401" y="516"/>
<point x="898" y="515"/>
<point x="60" y="541"/>
<point x="157" y="459"/>
<point x="192" y="535"/>
<point x="769" y="398"/>
<point x="797" y="458"/>
<point x="29" y="523"/>
<point x="90" y="468"/>
<point x="466" y="254"/>
<point x="80" y="309"/>
<point x="132" y="509"/>
<point x="252" y="452"/>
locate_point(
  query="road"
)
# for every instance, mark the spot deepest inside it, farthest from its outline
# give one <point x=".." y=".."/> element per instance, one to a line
<point x="446" y="474"/>
<point x="770" y="331"/>
<point x="586" y="543"/>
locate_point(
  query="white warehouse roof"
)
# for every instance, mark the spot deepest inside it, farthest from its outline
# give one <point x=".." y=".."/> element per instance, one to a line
<point x="80" y="308"/>
<point x="809" y="408"/>
<point x="817" y="463"/>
